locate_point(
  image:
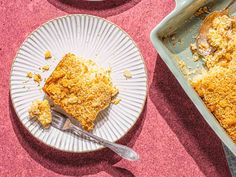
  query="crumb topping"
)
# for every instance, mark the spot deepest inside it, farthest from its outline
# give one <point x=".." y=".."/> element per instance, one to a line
<point x="80" y="88"/>
<point x="37" y="78"/>
<point x="217" y="86"/>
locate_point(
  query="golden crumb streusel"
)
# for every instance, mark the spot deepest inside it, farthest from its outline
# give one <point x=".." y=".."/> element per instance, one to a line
<point x="45" y="67"/>
<point x="37" y="78"/>
<point x="47" y="54"/>
<point x="222" y="37"/>
<point x="29" y="75"/>
<point x="217" y="86"/>
<point x="116" y="101"/>
<point x="80" y="88"/>
<point x="42" y="112"/>
<point x="127" y="74"/>
<point x="201" y="11"/>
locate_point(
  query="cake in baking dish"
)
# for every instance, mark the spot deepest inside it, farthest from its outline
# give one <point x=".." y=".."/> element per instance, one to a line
<point x="217" y="86"/>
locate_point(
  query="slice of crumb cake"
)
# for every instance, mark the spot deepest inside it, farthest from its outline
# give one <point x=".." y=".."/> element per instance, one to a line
<point x="80" y="88"/>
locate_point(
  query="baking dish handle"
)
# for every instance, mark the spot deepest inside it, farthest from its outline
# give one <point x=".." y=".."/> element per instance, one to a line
<point x="179" y="3"/>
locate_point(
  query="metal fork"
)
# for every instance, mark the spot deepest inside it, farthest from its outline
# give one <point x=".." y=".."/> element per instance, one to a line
<point x="62" y="122"/>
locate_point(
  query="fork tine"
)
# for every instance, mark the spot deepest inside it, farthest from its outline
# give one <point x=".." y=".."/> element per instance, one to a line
<point x="58" y="119"/>
<point x="56" y="125"/>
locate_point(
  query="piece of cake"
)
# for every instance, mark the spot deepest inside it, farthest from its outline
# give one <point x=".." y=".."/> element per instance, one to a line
<point x="80" y="88"/>
<point x="42" y="112"/>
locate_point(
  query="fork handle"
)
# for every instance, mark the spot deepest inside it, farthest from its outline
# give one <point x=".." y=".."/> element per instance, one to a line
<point x="123" y="151"/>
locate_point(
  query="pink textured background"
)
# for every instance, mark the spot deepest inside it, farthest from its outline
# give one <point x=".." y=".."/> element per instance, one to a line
<point x="171" y="136"/>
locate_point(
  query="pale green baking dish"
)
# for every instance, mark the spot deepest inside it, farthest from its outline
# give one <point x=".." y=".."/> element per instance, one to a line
<point x="183" y="25"/>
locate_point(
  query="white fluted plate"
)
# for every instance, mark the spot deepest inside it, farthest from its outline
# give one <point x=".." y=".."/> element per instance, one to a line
<point x="92" y="38"/>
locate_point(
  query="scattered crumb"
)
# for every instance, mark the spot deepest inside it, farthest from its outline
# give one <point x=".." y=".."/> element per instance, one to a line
<point x="171" y="36"/>
<point x="127" y="74"/>
<point x="194" y="71"/>
<point x="37" y="78"/>
<point x="45" y="68"/>
<point x="116" y="101"/>
<point x="29" y="75"/>
<point x="41" y="111"/>
<point x="193" y="48"/>
<point x="183" y="67"/>
<point x="180" y="41"/>
<point x="201" y="11"/>
<point x="47" y="54"/>
<point x="196" y="57"/>
<point x="188" y="71"/>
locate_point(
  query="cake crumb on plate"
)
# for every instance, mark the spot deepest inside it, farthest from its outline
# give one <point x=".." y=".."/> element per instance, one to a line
<point x="47" y="54"/>
<point x="37" y="78"/>
<point x="116" y="101"/>
<point x="127" y="74"/>
<point x="29" y="74"/>
<point x="45" y="68"/>
<point x="42" y="112"/>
